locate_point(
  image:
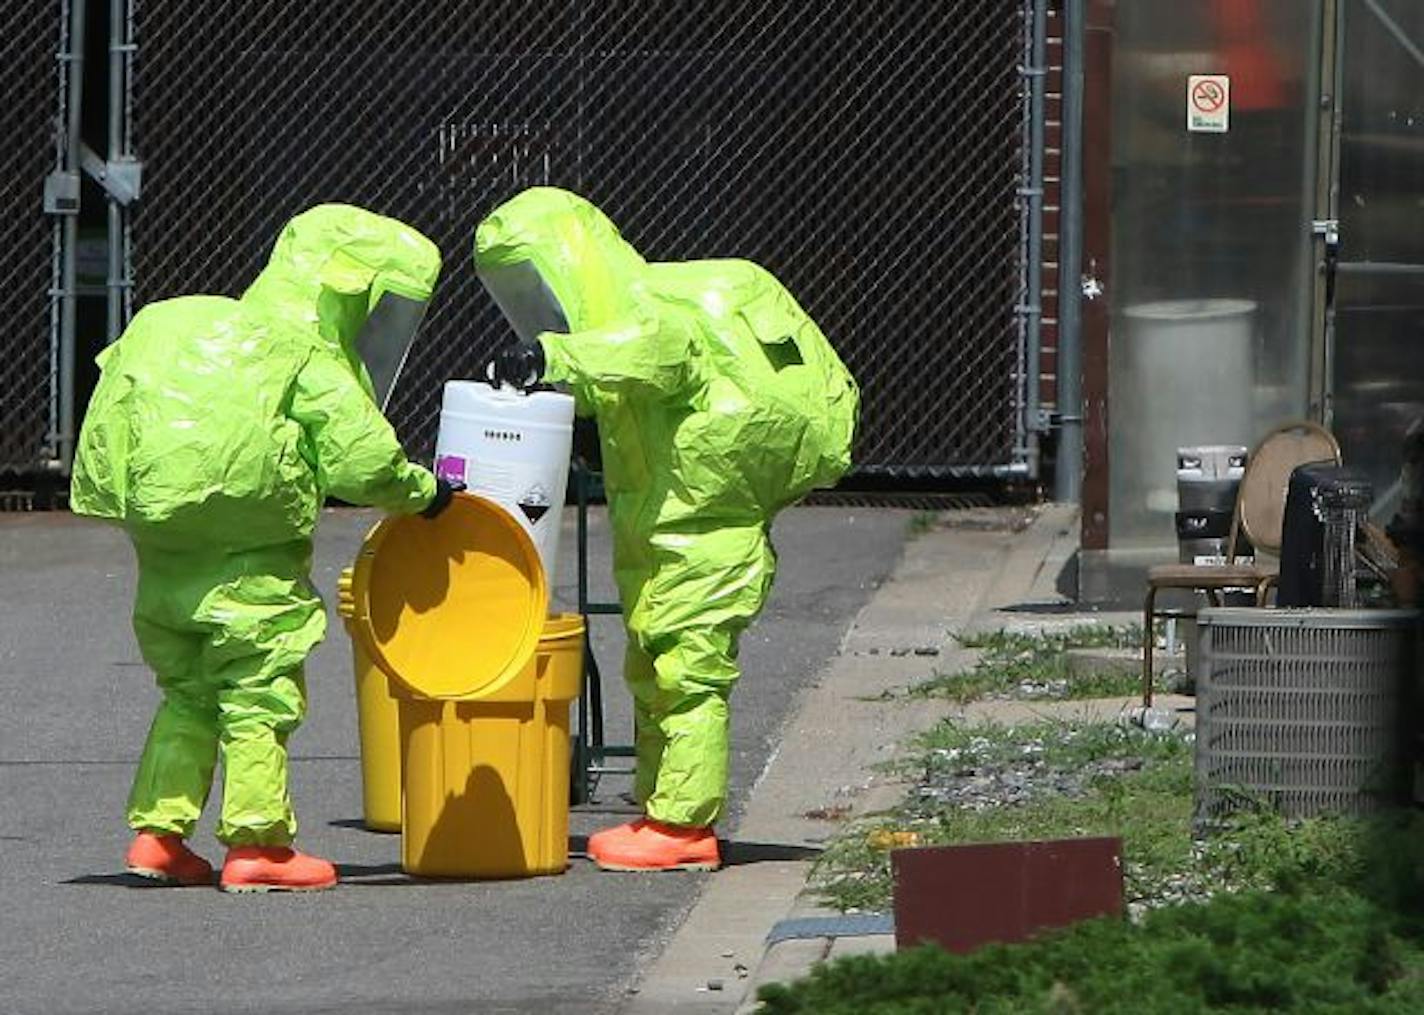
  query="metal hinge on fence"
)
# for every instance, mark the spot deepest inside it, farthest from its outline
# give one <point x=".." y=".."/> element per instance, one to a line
<point x="122" y="179"/>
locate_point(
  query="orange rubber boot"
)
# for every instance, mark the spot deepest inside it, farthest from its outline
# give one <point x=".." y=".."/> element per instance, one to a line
<point x="648" y="845"/>
<point x="166" y="858"/>
<point x="275" y="869"/>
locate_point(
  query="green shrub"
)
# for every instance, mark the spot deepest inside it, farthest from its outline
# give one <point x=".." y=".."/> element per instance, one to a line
<point x="1331" y="951"/>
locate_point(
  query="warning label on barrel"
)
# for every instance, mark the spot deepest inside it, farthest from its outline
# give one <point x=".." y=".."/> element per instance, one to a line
<point x="450" y="468"/>
<point x="1208" y="103"/>
<point x="535" y="503"/>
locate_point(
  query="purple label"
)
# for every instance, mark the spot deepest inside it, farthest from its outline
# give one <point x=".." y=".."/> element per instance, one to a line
<point x="450" y="468"/>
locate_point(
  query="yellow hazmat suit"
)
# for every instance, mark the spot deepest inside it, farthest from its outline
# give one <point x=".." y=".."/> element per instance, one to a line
<point x="718" y="403"/>
<point x="216" y="430"/>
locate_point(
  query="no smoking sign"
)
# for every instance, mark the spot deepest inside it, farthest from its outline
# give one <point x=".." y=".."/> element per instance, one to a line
<point x="1209" y="103"/>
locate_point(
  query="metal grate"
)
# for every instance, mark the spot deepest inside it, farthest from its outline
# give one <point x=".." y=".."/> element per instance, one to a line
<point x="1342" y="512"/>
<point x="870" y="155"/>
<point x="31" y="80"/>
<point x="1301" y="710"/>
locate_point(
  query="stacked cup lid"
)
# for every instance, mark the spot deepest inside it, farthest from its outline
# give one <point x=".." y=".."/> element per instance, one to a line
<point x="450" y="608"/>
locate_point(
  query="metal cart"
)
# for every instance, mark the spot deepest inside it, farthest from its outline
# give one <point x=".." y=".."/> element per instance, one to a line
<point x="591" y="752"/>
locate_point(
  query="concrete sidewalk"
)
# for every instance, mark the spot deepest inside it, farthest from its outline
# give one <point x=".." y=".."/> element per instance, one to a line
<point x="975" y="571"/>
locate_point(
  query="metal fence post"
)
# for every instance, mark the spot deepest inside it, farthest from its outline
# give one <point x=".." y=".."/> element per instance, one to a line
<point x="1068" y="471"/>
<point x="69" y="295"/>
<point x="1030" y="307"/>
<point x="120" y="52"/>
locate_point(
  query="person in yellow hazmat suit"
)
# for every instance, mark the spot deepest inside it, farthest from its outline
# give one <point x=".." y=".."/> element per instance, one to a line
<point x="217" y="428"/>
<point x="718" y="402"/>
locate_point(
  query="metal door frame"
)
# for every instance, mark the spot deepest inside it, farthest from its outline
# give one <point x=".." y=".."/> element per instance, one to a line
<point x="1326" y="227"/>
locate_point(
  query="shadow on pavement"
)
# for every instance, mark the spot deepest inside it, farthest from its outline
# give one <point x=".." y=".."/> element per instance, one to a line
<point x="124" y="880"/>
<point x="360" y="870"/>
<point x="736" y="854"/>
<point x="1045" y="609"/>
<point x="376" y="874"/>
<point x="358" y="824"/>
<point x="352" y="873"/>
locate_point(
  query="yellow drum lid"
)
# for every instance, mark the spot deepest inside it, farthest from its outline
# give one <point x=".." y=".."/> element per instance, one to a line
<point x="451" y="607"/>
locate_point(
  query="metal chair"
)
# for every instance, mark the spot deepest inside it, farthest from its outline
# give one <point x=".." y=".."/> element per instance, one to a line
<point x="1259" y="514"/>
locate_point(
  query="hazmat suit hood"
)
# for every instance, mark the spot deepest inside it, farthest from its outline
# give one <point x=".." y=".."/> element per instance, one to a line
<point x="358" y="281"/>
<point x="555" y="263"/>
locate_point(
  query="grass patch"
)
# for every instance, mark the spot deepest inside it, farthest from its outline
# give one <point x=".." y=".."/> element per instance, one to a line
<point x="985" y="783"/>
<point x="1054" y="743"/>
<point x="1034" y="667"/>
<point x="1057" y="779"/>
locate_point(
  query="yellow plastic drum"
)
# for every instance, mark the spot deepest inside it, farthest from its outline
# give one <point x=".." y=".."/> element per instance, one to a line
<point x="486" y="781"/>
<point x="378" y="721"/>
<point x="449" y="625"/>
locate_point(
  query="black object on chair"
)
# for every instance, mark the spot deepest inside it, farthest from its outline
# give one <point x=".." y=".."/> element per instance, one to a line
<point x="1326" y="504"/>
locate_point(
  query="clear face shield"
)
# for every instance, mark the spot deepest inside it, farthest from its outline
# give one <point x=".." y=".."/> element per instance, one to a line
<point x="528" y="303"/>
<point x="384" y="341"/>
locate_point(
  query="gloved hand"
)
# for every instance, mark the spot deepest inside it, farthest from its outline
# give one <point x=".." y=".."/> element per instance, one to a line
<point x="520" y="365"/>
<point x="444" y="493"/>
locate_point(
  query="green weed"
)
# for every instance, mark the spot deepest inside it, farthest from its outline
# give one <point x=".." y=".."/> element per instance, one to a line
<point x="1035" y="667"/>
<point x="922" y="522"/>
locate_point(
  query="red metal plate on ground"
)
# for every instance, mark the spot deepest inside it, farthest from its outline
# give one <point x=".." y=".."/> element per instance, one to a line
<point x="962" y="897"/>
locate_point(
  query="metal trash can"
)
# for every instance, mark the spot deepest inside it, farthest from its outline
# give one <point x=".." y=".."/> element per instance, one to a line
<point x="1208" y="478"/>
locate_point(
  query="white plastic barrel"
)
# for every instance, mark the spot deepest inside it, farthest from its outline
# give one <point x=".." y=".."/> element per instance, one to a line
<point x="512" y="448"/>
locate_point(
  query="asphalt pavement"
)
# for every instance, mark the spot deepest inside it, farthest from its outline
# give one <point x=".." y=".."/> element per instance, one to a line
<point x="79" y="935"/>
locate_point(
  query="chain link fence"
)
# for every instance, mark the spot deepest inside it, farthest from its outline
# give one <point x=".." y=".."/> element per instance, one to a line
<point x="869" y="155"/>
<point x="31" y="81"/>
